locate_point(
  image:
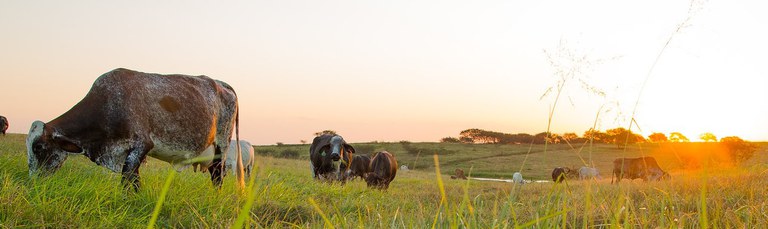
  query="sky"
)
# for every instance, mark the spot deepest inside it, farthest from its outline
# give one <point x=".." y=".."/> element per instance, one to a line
<point x="408" y="70"/>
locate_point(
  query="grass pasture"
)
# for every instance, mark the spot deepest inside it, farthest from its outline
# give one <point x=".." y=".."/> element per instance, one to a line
<point x="82" y="194"/>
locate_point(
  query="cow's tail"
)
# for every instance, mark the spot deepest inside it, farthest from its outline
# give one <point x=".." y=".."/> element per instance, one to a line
<point x="239" y="171"/>
<point x="240" y="175"/>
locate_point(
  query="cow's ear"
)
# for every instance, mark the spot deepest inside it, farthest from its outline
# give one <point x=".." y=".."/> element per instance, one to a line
<point x="66" y="144"/>
<point x="351" y="149"/>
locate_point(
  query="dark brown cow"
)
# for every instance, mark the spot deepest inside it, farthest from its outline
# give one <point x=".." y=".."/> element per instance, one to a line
<point x="3" y="124"/>
<point x="384" y="169"/>
<point x="561" y="173"/>
<point x="644" y="168"/>
<point x="459" y="174"/>
<point x="330" y="157"/>
<point x="128" y="115"/>
<point x="361" y="166"/>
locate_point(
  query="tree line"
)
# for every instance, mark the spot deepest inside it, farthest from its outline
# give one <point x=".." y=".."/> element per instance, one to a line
<point x="480" y="136"/>
<point x="619" y="136"/>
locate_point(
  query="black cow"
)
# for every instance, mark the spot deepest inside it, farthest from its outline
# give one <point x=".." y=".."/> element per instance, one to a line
<point x="3" y="124"/>
<point x="561" y="173"/>
<point x="330" y="157"/>
<point x="645" y="168"/>
<point x="361" y="166"/>
<point x="383" y="170"/>
<point x="128" y="115"/>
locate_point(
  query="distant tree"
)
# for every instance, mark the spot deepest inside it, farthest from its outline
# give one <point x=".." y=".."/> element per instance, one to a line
<point x="541" y="138"/>
<point x="658" y="138"/>
<point x="325" y="132"/>
<point x="570" y="137"/>
<point x="279" y="144"/>
<point x="450" y="140"/>
<point x="707" y="137"/>
<point x="678" y="137"/>
<point x="739" y="149"/>
<point x="467" y="140"/>
<point x="622" y="137"/>
<point x="554" y="138"/>
<point x="596" y="136"/>
<point x="303" y="141"/>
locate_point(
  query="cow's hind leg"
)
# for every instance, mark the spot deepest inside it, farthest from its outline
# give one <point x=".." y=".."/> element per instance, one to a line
<point x="217" y="168"/>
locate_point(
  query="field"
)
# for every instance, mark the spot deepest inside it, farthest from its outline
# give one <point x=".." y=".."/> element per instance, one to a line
<point x="282" y="193"/>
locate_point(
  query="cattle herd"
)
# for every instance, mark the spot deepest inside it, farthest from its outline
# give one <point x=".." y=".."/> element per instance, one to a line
<point x="645" y="168"/>
<point x="189" y="121"/>
<point x="184" y="120"/>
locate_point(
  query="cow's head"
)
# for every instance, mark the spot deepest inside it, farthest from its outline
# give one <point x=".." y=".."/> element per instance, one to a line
<point x="47" y="149"/>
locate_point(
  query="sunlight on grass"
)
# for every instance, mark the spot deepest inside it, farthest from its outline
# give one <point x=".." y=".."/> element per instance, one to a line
<point x="161" y="199"/>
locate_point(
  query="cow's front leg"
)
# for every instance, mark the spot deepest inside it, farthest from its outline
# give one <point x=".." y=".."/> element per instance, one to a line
<point x="217" y="168"/>
<point x="131" y="168"/>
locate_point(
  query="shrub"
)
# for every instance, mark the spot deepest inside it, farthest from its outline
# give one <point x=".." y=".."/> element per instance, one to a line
<point x="739" y="149"/>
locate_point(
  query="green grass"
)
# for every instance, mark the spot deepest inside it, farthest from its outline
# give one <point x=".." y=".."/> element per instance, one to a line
<point x="82" y="194"/>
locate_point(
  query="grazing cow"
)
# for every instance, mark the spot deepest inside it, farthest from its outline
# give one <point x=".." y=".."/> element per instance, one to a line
<point x="645" y="168"/>
<point x="128" y="115"/>
<point x="561" y="173"/>
<point x="3" y="124"/>
<point x="517" y="178"/>
<point x="247" y="156"/>
<point x="383" y="170"/>
<point x="330" y="157"/>
<point x="361" y="166"/>
<point x="459" y="174"/>
<point x="589" y="173"/>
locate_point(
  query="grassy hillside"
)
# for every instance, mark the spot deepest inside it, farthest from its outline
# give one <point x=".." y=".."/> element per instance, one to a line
<point x="82" y="194"/>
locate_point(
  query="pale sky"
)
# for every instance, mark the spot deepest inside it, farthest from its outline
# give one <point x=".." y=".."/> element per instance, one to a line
<point x="403" y="70"/>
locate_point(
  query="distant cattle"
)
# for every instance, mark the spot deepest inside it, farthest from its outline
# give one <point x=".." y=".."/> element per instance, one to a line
<point x="3" y="124"/>
<point x="361" y="166"/>
<point x="561" y="173"/>
<point x="247" y="157"/>
<point x="404" y="168"/>
<point x="459" y="174"/>
<point x="589" y="173"/>
<point x="383" y="170"/>
<point x="330" y="157"/>
<point x="128" y="115"/>
<point x="517" y="178"/>
<point x="645" y="168"/>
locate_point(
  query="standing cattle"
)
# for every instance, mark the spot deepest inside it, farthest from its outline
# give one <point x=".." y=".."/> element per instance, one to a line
<point x="383" y="170"/>
<point x="561" y="173"/>
<point x="128" y="115"/>
<point x="330" y="157"/>
<point x="3" y="124"/>
<point x="517" y="177"/>
<point x="247" y="155"/>
<point x="361" y="166"/>
<point x="644" y="168"/>
<point x="459" y="174"/>
<point x="589" y="173"/>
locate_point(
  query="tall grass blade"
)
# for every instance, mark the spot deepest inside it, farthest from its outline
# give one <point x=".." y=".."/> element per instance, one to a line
<point x="161" y="200"/>
<point x="328" y="223"/>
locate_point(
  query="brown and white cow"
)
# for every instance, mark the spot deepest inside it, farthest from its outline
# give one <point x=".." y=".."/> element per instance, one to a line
<point x="645" y="168"/>
<point x="383" y="170"/>
<point x="128" y="115"/>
